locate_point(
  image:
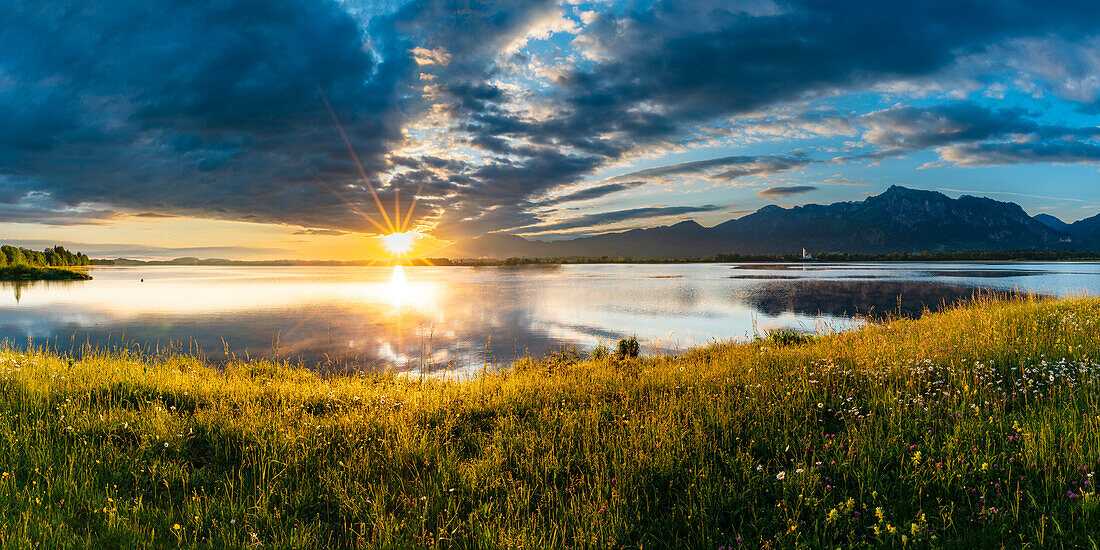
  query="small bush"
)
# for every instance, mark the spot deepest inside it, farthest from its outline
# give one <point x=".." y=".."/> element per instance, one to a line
<point x="599" y="352"/>
<point x="786" y="336"/>
<point x="628" y="347"/>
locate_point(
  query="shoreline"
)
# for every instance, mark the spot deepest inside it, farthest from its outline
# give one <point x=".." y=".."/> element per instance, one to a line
<point x="20" y="273"/>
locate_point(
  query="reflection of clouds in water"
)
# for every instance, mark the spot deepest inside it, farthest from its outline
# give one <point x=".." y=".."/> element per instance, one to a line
<point x="453" y="320"/>
<point x="845" y="297"/>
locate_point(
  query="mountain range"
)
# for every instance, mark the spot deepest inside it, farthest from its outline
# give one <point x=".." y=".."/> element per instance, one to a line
<point x="897" y="220"/>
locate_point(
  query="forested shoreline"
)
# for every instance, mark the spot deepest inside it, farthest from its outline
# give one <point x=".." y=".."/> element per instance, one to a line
<point x="24" y="264"/>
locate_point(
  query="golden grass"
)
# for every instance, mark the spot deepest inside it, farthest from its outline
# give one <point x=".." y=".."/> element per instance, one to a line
<point x="977" y="426"/>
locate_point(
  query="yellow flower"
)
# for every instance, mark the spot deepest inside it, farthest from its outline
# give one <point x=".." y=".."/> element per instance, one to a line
<point x="176" y="526"/>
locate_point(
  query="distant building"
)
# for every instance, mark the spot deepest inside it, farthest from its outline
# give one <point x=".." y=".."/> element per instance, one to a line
<point x="806" y="255"/>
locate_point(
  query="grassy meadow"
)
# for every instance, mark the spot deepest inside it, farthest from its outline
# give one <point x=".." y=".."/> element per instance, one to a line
<point x="975" y="427"/>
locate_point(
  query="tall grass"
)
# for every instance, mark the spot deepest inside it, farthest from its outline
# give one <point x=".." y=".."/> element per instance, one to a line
<point x="42" y="273"/>
<point x="977" y="426"/>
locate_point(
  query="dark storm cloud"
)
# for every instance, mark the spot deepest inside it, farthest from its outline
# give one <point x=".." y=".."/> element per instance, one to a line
<point x="200" y="108"/>
<point x="38" y="207"/>
<point x="786" y="191"/>
<point x="717" y="62"/>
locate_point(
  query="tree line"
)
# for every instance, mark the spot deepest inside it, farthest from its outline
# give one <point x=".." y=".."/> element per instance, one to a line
<point x="50" y="257"/>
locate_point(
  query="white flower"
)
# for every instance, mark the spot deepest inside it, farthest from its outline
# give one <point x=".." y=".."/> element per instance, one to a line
<point x="780" y="476"/>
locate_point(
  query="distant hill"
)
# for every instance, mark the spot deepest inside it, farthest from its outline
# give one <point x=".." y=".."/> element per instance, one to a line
<point x="1052" y="222"/>
<point x="898" y="220"/>
<point x="1087" y="230"/>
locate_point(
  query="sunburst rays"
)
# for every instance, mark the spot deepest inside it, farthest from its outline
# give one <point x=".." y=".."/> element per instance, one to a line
<point x="396" y="236"/>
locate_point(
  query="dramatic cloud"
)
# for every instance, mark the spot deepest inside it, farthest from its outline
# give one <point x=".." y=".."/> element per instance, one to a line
<point x="326" y="232"/>
<point x="723" y="168"/>
<point x="492" y="113"/>
<point x="590" y="193"/>
<point x="132" y="251"/>
<point x="604" y="218"/>
<point x="785" y="191"/>
<point x="210" y="109"/>
<point x="988" y="154"/>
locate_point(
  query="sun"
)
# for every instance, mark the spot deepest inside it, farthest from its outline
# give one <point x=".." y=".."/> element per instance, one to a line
<point x="399" y="244"/>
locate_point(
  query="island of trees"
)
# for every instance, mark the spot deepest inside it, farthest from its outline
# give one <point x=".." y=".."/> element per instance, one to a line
<point x="23" y="264"/>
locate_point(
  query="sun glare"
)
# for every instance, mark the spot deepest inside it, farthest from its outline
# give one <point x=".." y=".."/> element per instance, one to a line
<point x="399" y="244"/>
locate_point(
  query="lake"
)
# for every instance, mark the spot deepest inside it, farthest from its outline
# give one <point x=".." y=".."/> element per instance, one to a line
<point x="454" y="319"/>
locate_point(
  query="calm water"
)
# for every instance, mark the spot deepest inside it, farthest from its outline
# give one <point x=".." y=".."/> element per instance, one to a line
<point x="454" y="318"/>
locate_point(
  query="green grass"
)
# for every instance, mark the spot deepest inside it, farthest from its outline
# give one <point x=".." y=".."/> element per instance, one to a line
<point x="976" y="427"/>
<point x="41" y="273"/>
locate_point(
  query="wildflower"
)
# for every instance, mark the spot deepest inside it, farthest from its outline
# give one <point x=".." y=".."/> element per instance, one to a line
<point x="781" y="476"/>
<point x="176" y="526"/>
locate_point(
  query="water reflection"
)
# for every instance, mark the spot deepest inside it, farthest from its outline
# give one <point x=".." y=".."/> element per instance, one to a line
<point x="455" y="318"/>
<point x="399" y="287"/>
<point x="869" y="298"/>
<point x="18" y="287"/>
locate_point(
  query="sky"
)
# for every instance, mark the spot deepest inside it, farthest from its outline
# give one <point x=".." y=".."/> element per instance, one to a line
<point x="263" y="129"/>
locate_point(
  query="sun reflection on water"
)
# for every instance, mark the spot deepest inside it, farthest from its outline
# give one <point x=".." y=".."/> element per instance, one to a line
<point x="400" y="293"/>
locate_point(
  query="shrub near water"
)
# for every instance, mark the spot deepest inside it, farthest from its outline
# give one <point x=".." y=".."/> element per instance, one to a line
<point x="976" y="427"/>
